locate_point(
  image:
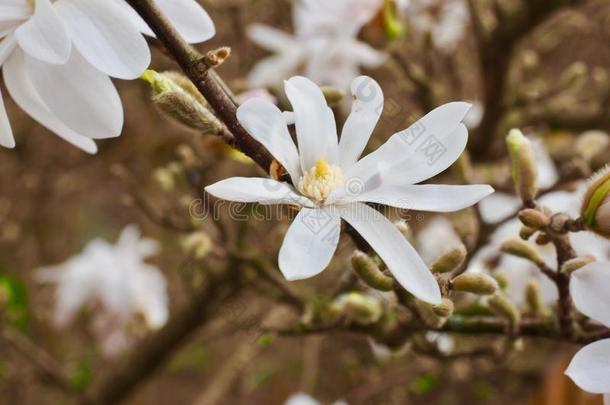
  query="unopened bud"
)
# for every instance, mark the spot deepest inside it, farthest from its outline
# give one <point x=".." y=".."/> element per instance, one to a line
<point x="444" y="309"/>
<point x="526" y="232"/>
<point x="576" y="263"/>
<point x="332" y="95"/>
<point x="476" y="283"/>
<point x="533" y="297"/>
<point x="197" y="244"/>
<point x="533" y="218"/>
<point x="404" y="229"/>
<point x="357" y="307"/>
<point x="521" y="248"/>
<point x="502" y="278"/>
<point x="466" y="225"/>
<point x="595" y="210"/>
<point x="449" y="261"/>
<point x="542" y="239"/>
<point x="504" y="307"/>
<point x="428" y="313"/>
<point x="590" y="143"/>
<point x="523" y="165"/>
<point x="370" y="273"/>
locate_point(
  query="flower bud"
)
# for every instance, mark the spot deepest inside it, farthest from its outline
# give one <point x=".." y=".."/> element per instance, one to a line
<point x="182" y="102"/>
<point x="503" y="306"/>
<point x="533" y="297"/>
<point x="449" y="261"/>
<point x="370" y="273"/>
<point x="357" y="307"/>
<point x="533" y="218"/>
<point x="590" y="143"/>
<point x="444" y="309"/>
<point x="523" y="165"/>
<point x="595" y="210"/>
<point x="466" y="225"/>
<point x="429" y="314"/>
<point x="526" y="232"/>
<point x="476" y="283"/>
<point x="198" y="244"/>
<point x="502" y="279"/>
<point x="521" y="248"/>
<point x="576" y="263"/>
<point x="404" y="229"/>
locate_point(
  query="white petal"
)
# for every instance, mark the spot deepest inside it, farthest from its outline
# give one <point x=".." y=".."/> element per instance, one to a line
<point x="265" y="122"/>
<point x="44" y="36"/>
<point x="21" y="90"/>
<point x="7" y="45"/>
<point x="6" y="133"/>
<point x="498" y="206"/>
<point x="314" y="121"/>
<point x="421" y="151"/>
<point x="365" y="55"/>
<point x="189" y="18"/>
<point x="79" y="95"/>
<point x="273" y="69"/>
<point x="606" y="399"/>
<point x="135" y="18"/>
<point x="301" y="398"/>
<point x="589" y="290"/>
<point x="427" y="197"/>
<point x="400" y="257"/>
<point x="590" y="367"/>
<point x="547" y="172"/>
<point x="106" y="37"/>
<point x="255" y="189"/>
<point x="270" y="38"/>
<point x="367" y="106"/>
<point x="310" y="243"/>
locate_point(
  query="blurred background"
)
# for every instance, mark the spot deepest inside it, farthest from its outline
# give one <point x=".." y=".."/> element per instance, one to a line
<point x="55" y="198"/>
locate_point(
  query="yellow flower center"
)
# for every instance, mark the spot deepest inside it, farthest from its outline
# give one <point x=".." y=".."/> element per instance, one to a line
<point x="319" y="181"/>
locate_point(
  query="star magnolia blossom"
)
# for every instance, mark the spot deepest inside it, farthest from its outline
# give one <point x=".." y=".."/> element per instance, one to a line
<point x="590" y="367"/>
<point x="445" y="20"/>
<point x="325" y="42"/>
<point x="330" y="183"/>
<point x="57" y="57"/>
<point x="114" y="276"/>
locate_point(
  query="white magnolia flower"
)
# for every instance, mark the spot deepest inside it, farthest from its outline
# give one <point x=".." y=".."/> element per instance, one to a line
<point x="113" y="276"/>
<point x="519" y="271"/>
<point x="58" y="56"/>
<point x="445" y="20"/>
<point x="301" y="398"/>
<point x="324" y="46"/>
<point x="590" y="367"/>
<point x="330" y="183"/>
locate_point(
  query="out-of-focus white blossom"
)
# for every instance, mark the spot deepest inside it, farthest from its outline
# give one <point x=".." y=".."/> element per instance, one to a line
<point x="114" y="279"/>
<point x="444" y="20"/>
<point x="57" y="58"/>
<point x="331" y="183"/>
<point x="301" y="398"/>
<point x="590" y="367"/>
<point x="324" y="46"/>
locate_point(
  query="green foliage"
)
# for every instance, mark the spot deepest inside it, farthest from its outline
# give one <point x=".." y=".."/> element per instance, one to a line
<point x="14" y="302"/>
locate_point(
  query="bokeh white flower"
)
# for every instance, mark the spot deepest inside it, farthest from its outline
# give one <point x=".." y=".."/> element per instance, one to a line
<point x="301" y="398"/>
<point x="57" y="58"/>
<point x="324" y="46"/>
<point x="330" y="183"/>
<point x="115" y="278"/>
<point x="590" y="367"/>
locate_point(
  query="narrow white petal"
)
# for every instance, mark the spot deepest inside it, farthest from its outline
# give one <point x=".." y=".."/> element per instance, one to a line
<point x="79" y="95"/>
<point x="427" y="197"/>
<point x="266" y="123"/>
<point x="7" y="45"/>
<point x="273" y="69"/>
<point x="589" y="290"/>
<point x="421" y="151"/>
<point x="106" y="37"/>
<point x="365" y="55"/>
<point x="367" y="107"/>
<point x="314" y="121"/>
<point x="590" y="367"/>
<point x="400" y="257"/>
<point x="189" y="18"/>
<point x="271" y="38"/>
<point x="256" y="189"/>
<point x="6" y="133"/>
<point x="310" y="243"/>
<point x="21" y="90"/>
<point x="44" y="36"/>
<point x="135" y="18"/>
